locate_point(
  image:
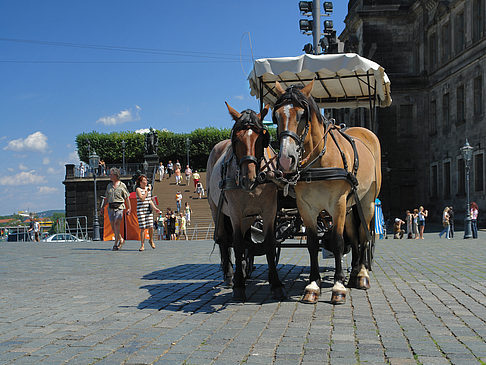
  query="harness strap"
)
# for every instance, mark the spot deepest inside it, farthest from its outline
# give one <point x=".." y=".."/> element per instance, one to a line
<point x="248" y="158"/>
<point x="290" y="134"/>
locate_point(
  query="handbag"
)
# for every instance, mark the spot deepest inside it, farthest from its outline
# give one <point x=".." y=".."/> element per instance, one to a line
<point x="114" y="206"/>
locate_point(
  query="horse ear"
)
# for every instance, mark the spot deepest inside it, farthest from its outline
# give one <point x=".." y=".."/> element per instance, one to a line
<point x="278" y="88"/>
<point x="307" y="89"/>
<point x="234" y="114"/>
<point x="264" y="112"/>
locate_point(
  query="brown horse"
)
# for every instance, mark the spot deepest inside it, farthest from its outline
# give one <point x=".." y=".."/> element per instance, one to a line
<point x="308" y="143"/>
<point x="236" y="199"/>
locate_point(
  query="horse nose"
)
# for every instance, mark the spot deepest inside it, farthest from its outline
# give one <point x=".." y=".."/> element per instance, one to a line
<point x="287" y="163"/>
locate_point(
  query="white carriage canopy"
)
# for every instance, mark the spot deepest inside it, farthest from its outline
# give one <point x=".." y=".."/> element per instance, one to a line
<point x="344" y="80"/>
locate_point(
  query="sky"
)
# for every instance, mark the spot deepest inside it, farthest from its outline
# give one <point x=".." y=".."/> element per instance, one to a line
<point x="68" y="67"/>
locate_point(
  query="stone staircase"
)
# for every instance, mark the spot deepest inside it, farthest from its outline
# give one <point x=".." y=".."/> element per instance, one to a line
<point x="202" y="226"/>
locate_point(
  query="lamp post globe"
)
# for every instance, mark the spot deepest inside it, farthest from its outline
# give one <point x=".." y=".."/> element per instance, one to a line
<point x="94" y="161"/>
<point x="466" y="152"/>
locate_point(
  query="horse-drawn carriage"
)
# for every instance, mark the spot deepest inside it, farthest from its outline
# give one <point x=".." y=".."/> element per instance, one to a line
<point x="325" y="177"/>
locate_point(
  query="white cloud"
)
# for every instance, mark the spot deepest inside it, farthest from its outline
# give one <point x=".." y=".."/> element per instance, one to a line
<point x="46" y="161"/>
<point x="51" y="170"/>
<point x="239" y="97"/>
<point x="123" y="116"/>
<point x="22" y="167"/>
<point x="34" y="142"/>
<point x="23" y="178"/>
<point x="47" y="190"/>
<point x="10" y="169"/>
<point x="142" y="131"/>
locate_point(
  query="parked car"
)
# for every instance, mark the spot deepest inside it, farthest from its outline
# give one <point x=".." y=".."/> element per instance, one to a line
<point x="61" y="237"/>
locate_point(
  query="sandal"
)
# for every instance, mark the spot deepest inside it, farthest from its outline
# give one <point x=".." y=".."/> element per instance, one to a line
<point x="152" y="244"/>
<point x="121" y="243"/>
<point x="115" y="248"/>
<point x="141" y="249"/>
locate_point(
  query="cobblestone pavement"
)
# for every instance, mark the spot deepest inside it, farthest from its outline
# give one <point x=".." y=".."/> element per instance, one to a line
<point x="84" y="304"/>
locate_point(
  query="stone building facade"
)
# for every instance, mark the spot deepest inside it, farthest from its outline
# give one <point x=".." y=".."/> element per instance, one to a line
<point x="434" y="53"/>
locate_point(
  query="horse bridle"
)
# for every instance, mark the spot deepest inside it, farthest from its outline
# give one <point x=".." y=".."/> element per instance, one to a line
<point x="245" y="122"/>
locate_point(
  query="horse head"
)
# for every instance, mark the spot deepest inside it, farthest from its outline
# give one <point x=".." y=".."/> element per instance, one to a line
<point x="292" y="113"/>
<point x="249" y="138"/>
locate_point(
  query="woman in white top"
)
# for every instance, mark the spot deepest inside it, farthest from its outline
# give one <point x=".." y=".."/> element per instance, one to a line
<point x="474" y="219"/>
<point x="445" y="223"/>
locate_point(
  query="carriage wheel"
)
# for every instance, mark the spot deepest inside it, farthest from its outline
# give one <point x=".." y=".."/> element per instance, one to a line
<point x="370" y="246"/>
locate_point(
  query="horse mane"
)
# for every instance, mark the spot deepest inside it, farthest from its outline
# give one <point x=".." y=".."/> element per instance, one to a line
<point x="294" y="95"/>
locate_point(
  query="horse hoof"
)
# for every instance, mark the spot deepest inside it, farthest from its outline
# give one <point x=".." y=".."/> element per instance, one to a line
<point x="239" y="294"/>
<point x="338" y="297"/>
<point x="310" y="298"/>
<point x="363" y="282"/>
<point x="228" y="283"/>
<point x="279" y="293"/>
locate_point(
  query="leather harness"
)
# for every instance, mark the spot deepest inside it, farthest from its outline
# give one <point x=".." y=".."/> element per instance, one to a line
<point x="308" y="173"/>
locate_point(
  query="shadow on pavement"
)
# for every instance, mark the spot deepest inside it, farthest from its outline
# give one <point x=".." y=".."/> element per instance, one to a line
<point x="200" y="288"/>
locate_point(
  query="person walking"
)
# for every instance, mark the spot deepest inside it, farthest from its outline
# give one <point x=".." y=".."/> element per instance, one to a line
<point x="116" y="196"/>
<point x="188" y="211"/>
<point x="170" y="168"/>
<point x="451" y="222"/>
<point x="182" y="227"/>
<point x="36" y="230"/>
<point x="172" y="226"/>
<point x="199" y="190"/>
<point x="161" y="171"/>
<point x="178" y="176"/>
<point x="445" y="223"/>
<point x="145" y="206"/>
<point x="196" y="178"/>
<point x="422" y="214"/>
<point x="474" y="219"/>
<point x="160" y="228"/>
<point x="188" y="173"/>
<point x="178" y="201"/>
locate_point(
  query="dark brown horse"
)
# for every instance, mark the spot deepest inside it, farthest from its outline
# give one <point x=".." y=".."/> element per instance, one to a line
<point x="237" y="199"/>
<point x="307" y="140"/>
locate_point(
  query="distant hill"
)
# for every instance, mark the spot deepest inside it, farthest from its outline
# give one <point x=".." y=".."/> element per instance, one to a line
<point x="49" y="213"/>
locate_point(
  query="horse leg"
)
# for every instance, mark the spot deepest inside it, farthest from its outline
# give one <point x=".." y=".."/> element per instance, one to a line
<point x="368" y="204"/>
<point x="338" y="295"/>
<point x="224" y="242"/>
<point x="313" y="289"/>
<point x="352" y="234"/>
<point x="277" y="288"/>
<point x="240" y="266"/>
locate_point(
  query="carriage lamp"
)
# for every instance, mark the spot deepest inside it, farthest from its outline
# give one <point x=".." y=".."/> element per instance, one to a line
<point x="308" y="48"/>
<point x="94" y="161"/>
<point x="328" y="25"/>
<point x="466" y="152"/>
<point x="324" y="43"/>
<point x="305" y="6"/>
<point x="328" y="7"/>
<point x="305" y="25"/>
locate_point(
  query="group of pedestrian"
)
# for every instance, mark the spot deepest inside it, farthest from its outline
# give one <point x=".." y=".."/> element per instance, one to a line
<point x="173" y="225"/>
<point x="415" y="223"/>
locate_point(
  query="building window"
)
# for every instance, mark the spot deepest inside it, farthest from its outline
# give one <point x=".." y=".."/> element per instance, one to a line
<point x="445" y="114"/>
<point x="446" y="42"/>
<point x="434" y="180"/>
<point x="405" y="120"/>
<point x="433" y="117"/>
<point x="432" y="51"/>
<point x="478" y="95"/>
<point x="461" y="177"/>
<point x="447" y="179"/>
<point x="459" y="33"/>
<point x="478" y="20"/>
<point x="461" y="114"/>
<point x="478" y="172"/>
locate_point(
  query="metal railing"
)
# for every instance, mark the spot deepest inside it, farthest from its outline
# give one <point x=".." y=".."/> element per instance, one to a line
<point x="67" y="224"/>
<point x="203" y="232"/>
<point x="87" y="172"/>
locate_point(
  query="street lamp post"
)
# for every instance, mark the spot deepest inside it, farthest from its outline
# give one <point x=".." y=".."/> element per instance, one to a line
<point x="94" y="161"/>
<point x="188" y="144"/>
<point x="466" y="151"/>
<point x="123" y="143"/>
